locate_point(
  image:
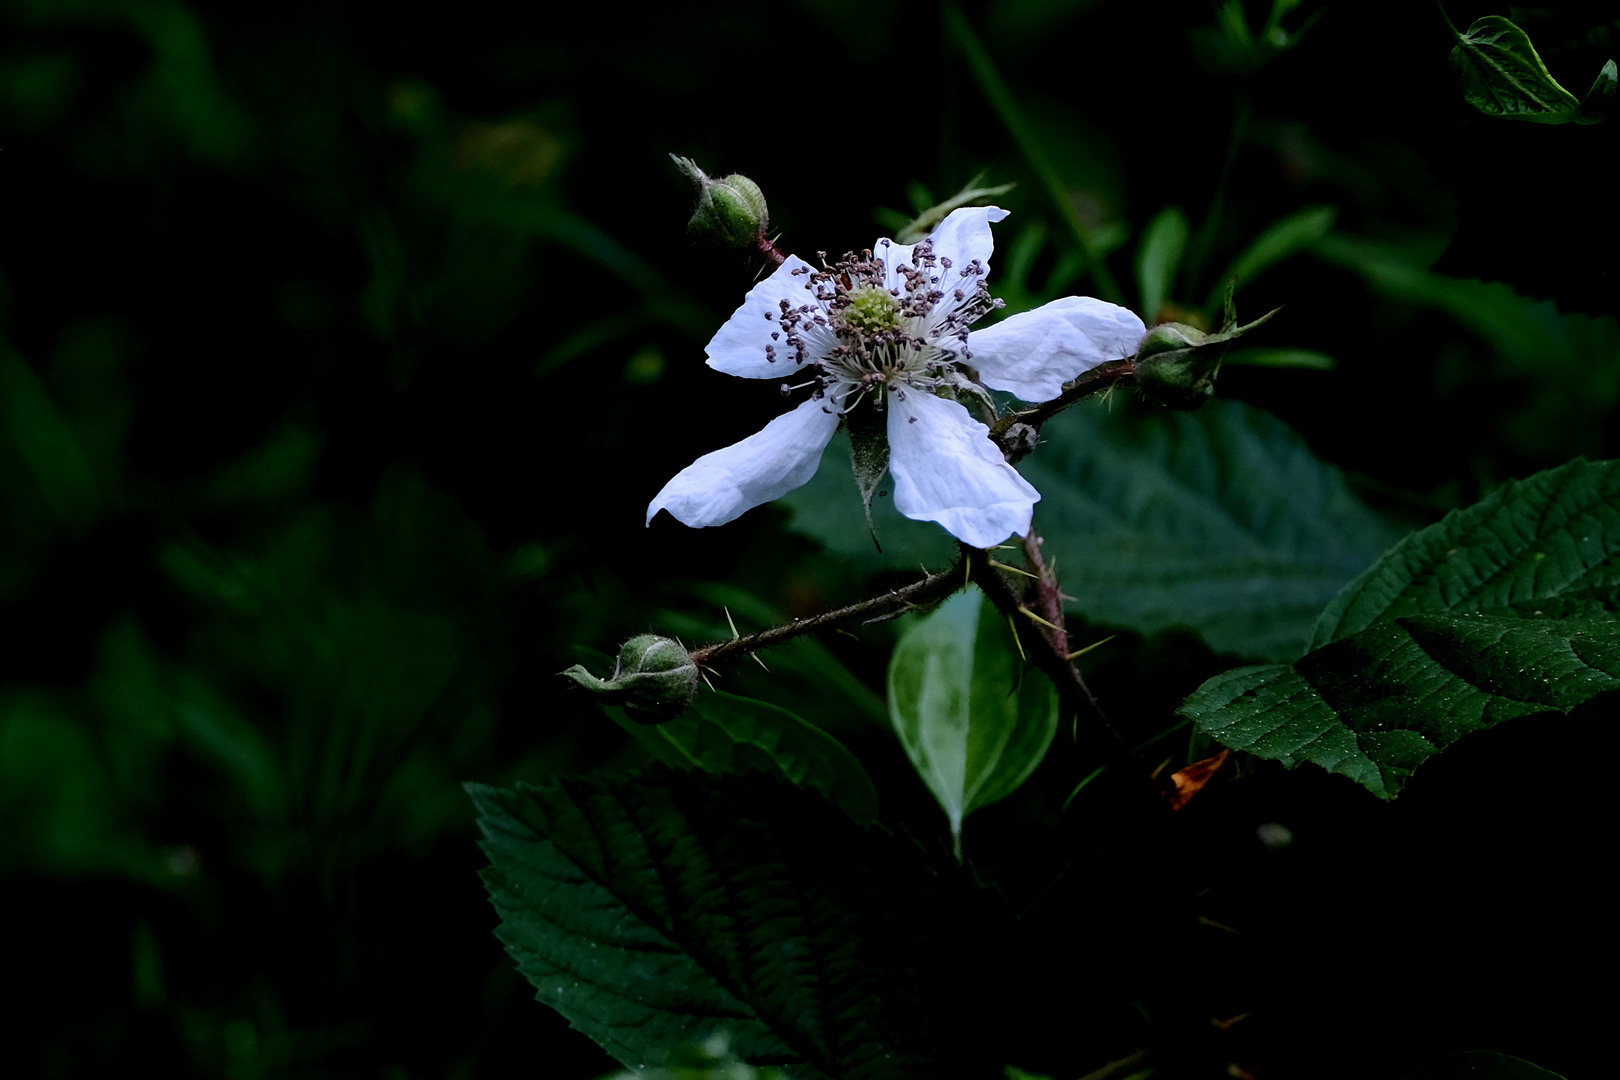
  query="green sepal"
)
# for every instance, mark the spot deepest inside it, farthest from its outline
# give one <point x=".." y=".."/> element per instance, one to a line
<point x="868" y="457"/>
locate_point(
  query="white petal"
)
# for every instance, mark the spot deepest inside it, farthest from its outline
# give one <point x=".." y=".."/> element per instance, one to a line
<point x="719" y="487"/>
<point x="963" y="237"/>
<point x="1034" y="354"/>
<point x="946" y="469"/>
<point x="739" y="347"/>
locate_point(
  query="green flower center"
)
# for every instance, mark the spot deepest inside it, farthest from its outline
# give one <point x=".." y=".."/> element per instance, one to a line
<point x="871" y="309"/>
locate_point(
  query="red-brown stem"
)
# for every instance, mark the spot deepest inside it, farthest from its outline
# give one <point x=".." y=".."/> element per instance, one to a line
<point x="1098" y="379"/>
<point x="895" y="601"/>
<point x="767" y="247"/>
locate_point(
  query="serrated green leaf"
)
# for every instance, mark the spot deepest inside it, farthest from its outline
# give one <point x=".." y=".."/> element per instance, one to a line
<point x="1481" y="1065"/>
<point x="1276" y="242"/>
<point x="1500" y="74"/>
<point x="1219" y="520"/>
<point x="655" y="910"/>
<point x="725" y="733"/>
<point x="972" y="725"/>
<point x="1158" y="257"/>
<point x="1545" y="547"/>
<point x="1501" y="610"/>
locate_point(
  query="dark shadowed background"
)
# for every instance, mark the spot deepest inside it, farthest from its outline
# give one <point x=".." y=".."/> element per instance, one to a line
<point x="341" y="349"/>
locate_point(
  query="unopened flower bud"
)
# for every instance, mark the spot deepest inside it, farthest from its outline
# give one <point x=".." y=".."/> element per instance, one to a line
<point x="1176" y="364"/>
<point x="654" y="679"/>
<point x="730" y="212"/>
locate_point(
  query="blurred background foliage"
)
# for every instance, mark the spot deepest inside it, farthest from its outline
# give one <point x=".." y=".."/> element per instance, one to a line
<point x="340" y="352"/>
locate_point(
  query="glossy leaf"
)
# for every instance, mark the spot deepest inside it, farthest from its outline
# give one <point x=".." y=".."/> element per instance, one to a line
<point x="1501" y="74"/>
<point x="726" y="733"/>
<point x="656" y="910"/>
<point x="1219" y="520"/>
<point x="973" y="723"/>
<point x="1501" y="610"/>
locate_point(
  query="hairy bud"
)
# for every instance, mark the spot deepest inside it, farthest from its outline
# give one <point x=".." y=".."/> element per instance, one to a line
<point x="730" y="212"/>
<point x="654" y="679"/>
<point x="1176" y="364"/>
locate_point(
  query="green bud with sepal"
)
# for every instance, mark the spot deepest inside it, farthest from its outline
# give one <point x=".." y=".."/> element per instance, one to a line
<point x="654" y="679"/>
<point x="1176" y="364"/>
<point x="730" y="212"/>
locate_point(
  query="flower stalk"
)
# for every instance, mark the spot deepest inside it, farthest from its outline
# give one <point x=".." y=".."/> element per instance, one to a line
<point x="928" y="590"/>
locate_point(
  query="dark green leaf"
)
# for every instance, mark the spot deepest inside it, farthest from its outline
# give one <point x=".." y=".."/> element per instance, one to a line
<point x="1501" y="75"/>
<point x="1501" y="610"/>
<point x="1481" y="1065"/>
<point x="973" y="727"/>
<point x="1220" y="520"/>
<point x="725" y="733"/>
<point x="656" y="910"/>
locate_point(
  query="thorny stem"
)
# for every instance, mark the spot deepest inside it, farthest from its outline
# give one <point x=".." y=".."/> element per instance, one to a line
<point x="1100" y="378"/>
<point x="979" y="566"/>
<point x="1038" y="622"/>
<point x="925" y="591"/>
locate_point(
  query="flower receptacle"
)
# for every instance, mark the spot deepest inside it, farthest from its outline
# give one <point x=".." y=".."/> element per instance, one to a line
<point x="654" y="679"/>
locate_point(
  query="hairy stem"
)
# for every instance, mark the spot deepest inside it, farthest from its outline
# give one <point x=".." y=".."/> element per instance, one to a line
<point x="1036" y="610"/>
<point x="1098" y="379"/>
<point x="767" y="247"/>
<point x="924" y="591"/>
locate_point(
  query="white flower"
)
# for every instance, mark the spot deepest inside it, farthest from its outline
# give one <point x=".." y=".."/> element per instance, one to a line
<point x="890" y="329"/>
